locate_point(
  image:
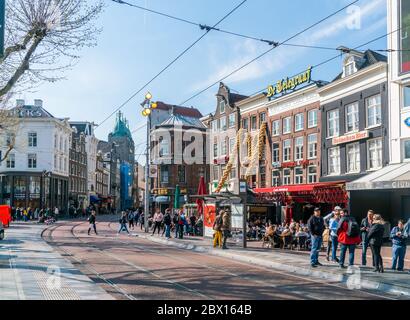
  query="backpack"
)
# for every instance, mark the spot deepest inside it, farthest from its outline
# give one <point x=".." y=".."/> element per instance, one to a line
<point x="353" y="228"/>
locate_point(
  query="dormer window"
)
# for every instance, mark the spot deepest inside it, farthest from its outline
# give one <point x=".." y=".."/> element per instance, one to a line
<point x="350" y="67"/>
<point x="222" y="106"/>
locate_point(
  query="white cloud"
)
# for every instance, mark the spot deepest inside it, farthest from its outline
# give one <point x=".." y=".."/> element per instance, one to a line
<point x="280" y="58"/>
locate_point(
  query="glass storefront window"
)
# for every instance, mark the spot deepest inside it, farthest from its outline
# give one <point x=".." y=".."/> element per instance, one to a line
<point x="19" y="187"/>
<point x="406" y="146"/>
<point x="35" y="186"/>
<point x="405" y="35"/>
<point x="406" y="96"/>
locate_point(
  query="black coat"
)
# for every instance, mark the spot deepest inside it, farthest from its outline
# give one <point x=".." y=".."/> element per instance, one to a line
<point x="316" y="225"/>
<point x="375" y="235"/>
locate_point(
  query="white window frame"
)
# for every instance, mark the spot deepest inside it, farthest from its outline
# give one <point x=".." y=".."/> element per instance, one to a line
<point x="312" y="122"/>
<point x="310" y="175"/>
<point x="288" y="121"/>
<point x="231" y="145"/>
<point x="299" y="179"/>
<point x="336" y="172"/>
<point x="224" y="148"/>
<point x="32" y="161"/>
<point x="276" y="152"/>
<point x="32" y="139"/>
<point x="222" y="124"/>
<point x="256" y="123"/>
<point x="11" y="161"/>
<point x="275" y="178"/>
<point x="287" y="179"/>
<point x="276" y="128"/>
<point x="232" y="120"/>
<point x="216" y="151"/>
<point x="378" y="107"/>
<point x="354" y="115"/>
<point x="404" y="150"/>
<point x="312" y="145"/>
<point x="299" y="122"/>
<point x="299" y="148"/>
<point x="222" y="106"/>
<point x="356" y="155"/>
<point x="336" y="122"/>
<point x="369" y="142"/>
<point x="285" y="159"/>
<point x="162" y="146"/>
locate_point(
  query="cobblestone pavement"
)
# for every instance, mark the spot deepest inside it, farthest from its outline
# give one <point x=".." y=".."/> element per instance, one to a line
<point x="31" y="269"/>
<point x="131" y="267"/>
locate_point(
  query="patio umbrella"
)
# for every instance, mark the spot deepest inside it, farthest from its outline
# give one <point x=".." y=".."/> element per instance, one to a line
<point x="177" y="196"/>
<point x="201" y="192"/>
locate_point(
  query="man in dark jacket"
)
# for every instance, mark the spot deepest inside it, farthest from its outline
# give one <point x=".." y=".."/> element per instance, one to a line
<point x="91" y="220"/>
<point x="364" y="231"/>
<point x="316" y="227"/>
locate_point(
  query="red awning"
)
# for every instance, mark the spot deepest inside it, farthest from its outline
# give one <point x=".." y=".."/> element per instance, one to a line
<point x="299" y="187"/>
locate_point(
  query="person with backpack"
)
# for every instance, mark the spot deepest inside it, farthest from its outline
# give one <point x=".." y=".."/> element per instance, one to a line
<point x="123" y="223"/>
<point x="130" y="220"/>
<point x="92" y="220"/>
<point x="399" y="246"/>
<point x="217" y="226"/>
<point x="316" y="225"/>
<point x="181" y="224"/>
<point x="142" y="220"/>
<point x="365" y="226"/>
<point x="375" y="237"/>
<point x="348" y="233"/>
<point x="167" y="223"/>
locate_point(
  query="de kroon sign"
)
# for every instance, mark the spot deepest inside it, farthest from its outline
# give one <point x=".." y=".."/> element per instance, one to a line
<point x="290" y="83"/>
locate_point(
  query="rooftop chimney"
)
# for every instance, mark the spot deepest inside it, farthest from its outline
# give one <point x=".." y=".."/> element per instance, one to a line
<point x="20" y="102"/>
<point x="38" y="103"/>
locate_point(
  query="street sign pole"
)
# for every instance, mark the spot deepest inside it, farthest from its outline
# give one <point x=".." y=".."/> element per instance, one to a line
<point x="2" y="25"/>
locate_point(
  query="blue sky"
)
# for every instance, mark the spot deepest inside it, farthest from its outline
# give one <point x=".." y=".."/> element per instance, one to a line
<point x="135" y="45"/>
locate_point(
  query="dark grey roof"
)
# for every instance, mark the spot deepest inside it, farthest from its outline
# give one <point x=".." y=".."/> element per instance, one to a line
<point x="370" y="57"/>
<point x="180" y="120"/>
<point x="79" y="126"/>
<point x="104" y="146"/>
<point x="29" y="111"/>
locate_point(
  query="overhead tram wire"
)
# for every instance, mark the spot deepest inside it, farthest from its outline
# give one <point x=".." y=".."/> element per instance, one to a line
<point x="355" y="48"/>
<point x="171" y="63"/>
<point x="204" y="26"/>
<point x="268" y="51"/>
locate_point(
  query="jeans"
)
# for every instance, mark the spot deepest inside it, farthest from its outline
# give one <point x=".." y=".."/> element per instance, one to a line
<point x="343" y="249"/>
<point x="92" y="225"/>
<point x="167" y="231"/>
<point x="176" y="230"/>
<point x="334" y="247"/>
<point x="399" y="252"/>
<point x="365" y="245"/>
<point x="314" y="252"/>
<point x="123" y="226"/>
<point x="225" y="238"/>
<point x="157" y="225"/>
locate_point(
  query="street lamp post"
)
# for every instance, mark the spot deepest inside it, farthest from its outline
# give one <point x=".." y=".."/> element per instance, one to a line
<point x="147" y="105"/>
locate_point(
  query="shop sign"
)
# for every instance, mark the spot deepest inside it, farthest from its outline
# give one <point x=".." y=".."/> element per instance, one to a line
<point x="237" y="211"/>
<point x="222" y="160"/>
<point x="407" y="122"/>
<point x="153" y="170"/>
<point x="290" y="83"/>
<point x="276" y="164"/>
<point x="351" y="137"/>
<point x="163" y="192"/>
<point x="20" y="195"/>
<point x="209" y="219"/>
<point x="293" y="164"/>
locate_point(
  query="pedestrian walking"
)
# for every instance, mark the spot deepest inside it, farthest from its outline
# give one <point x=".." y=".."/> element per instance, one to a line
<point x="375" y="238"/>
<point x="175" y="221"/>
<point x="217" y="226"/>
<point x="316" y="226"/>
<point x="56" y="213"/>
<point x="92" y="222"/>
<point x="365" y="226"/>
<point x="158" y="217"/>
<point x="333" y="224"/>
<point x="181" y="224"/>
<point x="226" y="228"/>
<point x="123" y="223"/>
<point x="137" y="214"/>
<point x="131" y="220"/>
<point x="348" y="232"/>
<point x="142" y="220"/>
<point x="399" y="246"/>
<point x="167" y="223"/>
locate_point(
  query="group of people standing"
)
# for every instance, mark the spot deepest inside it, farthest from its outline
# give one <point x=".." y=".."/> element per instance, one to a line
<point x="346" y="232"/>
<point x="28" y="214"/>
